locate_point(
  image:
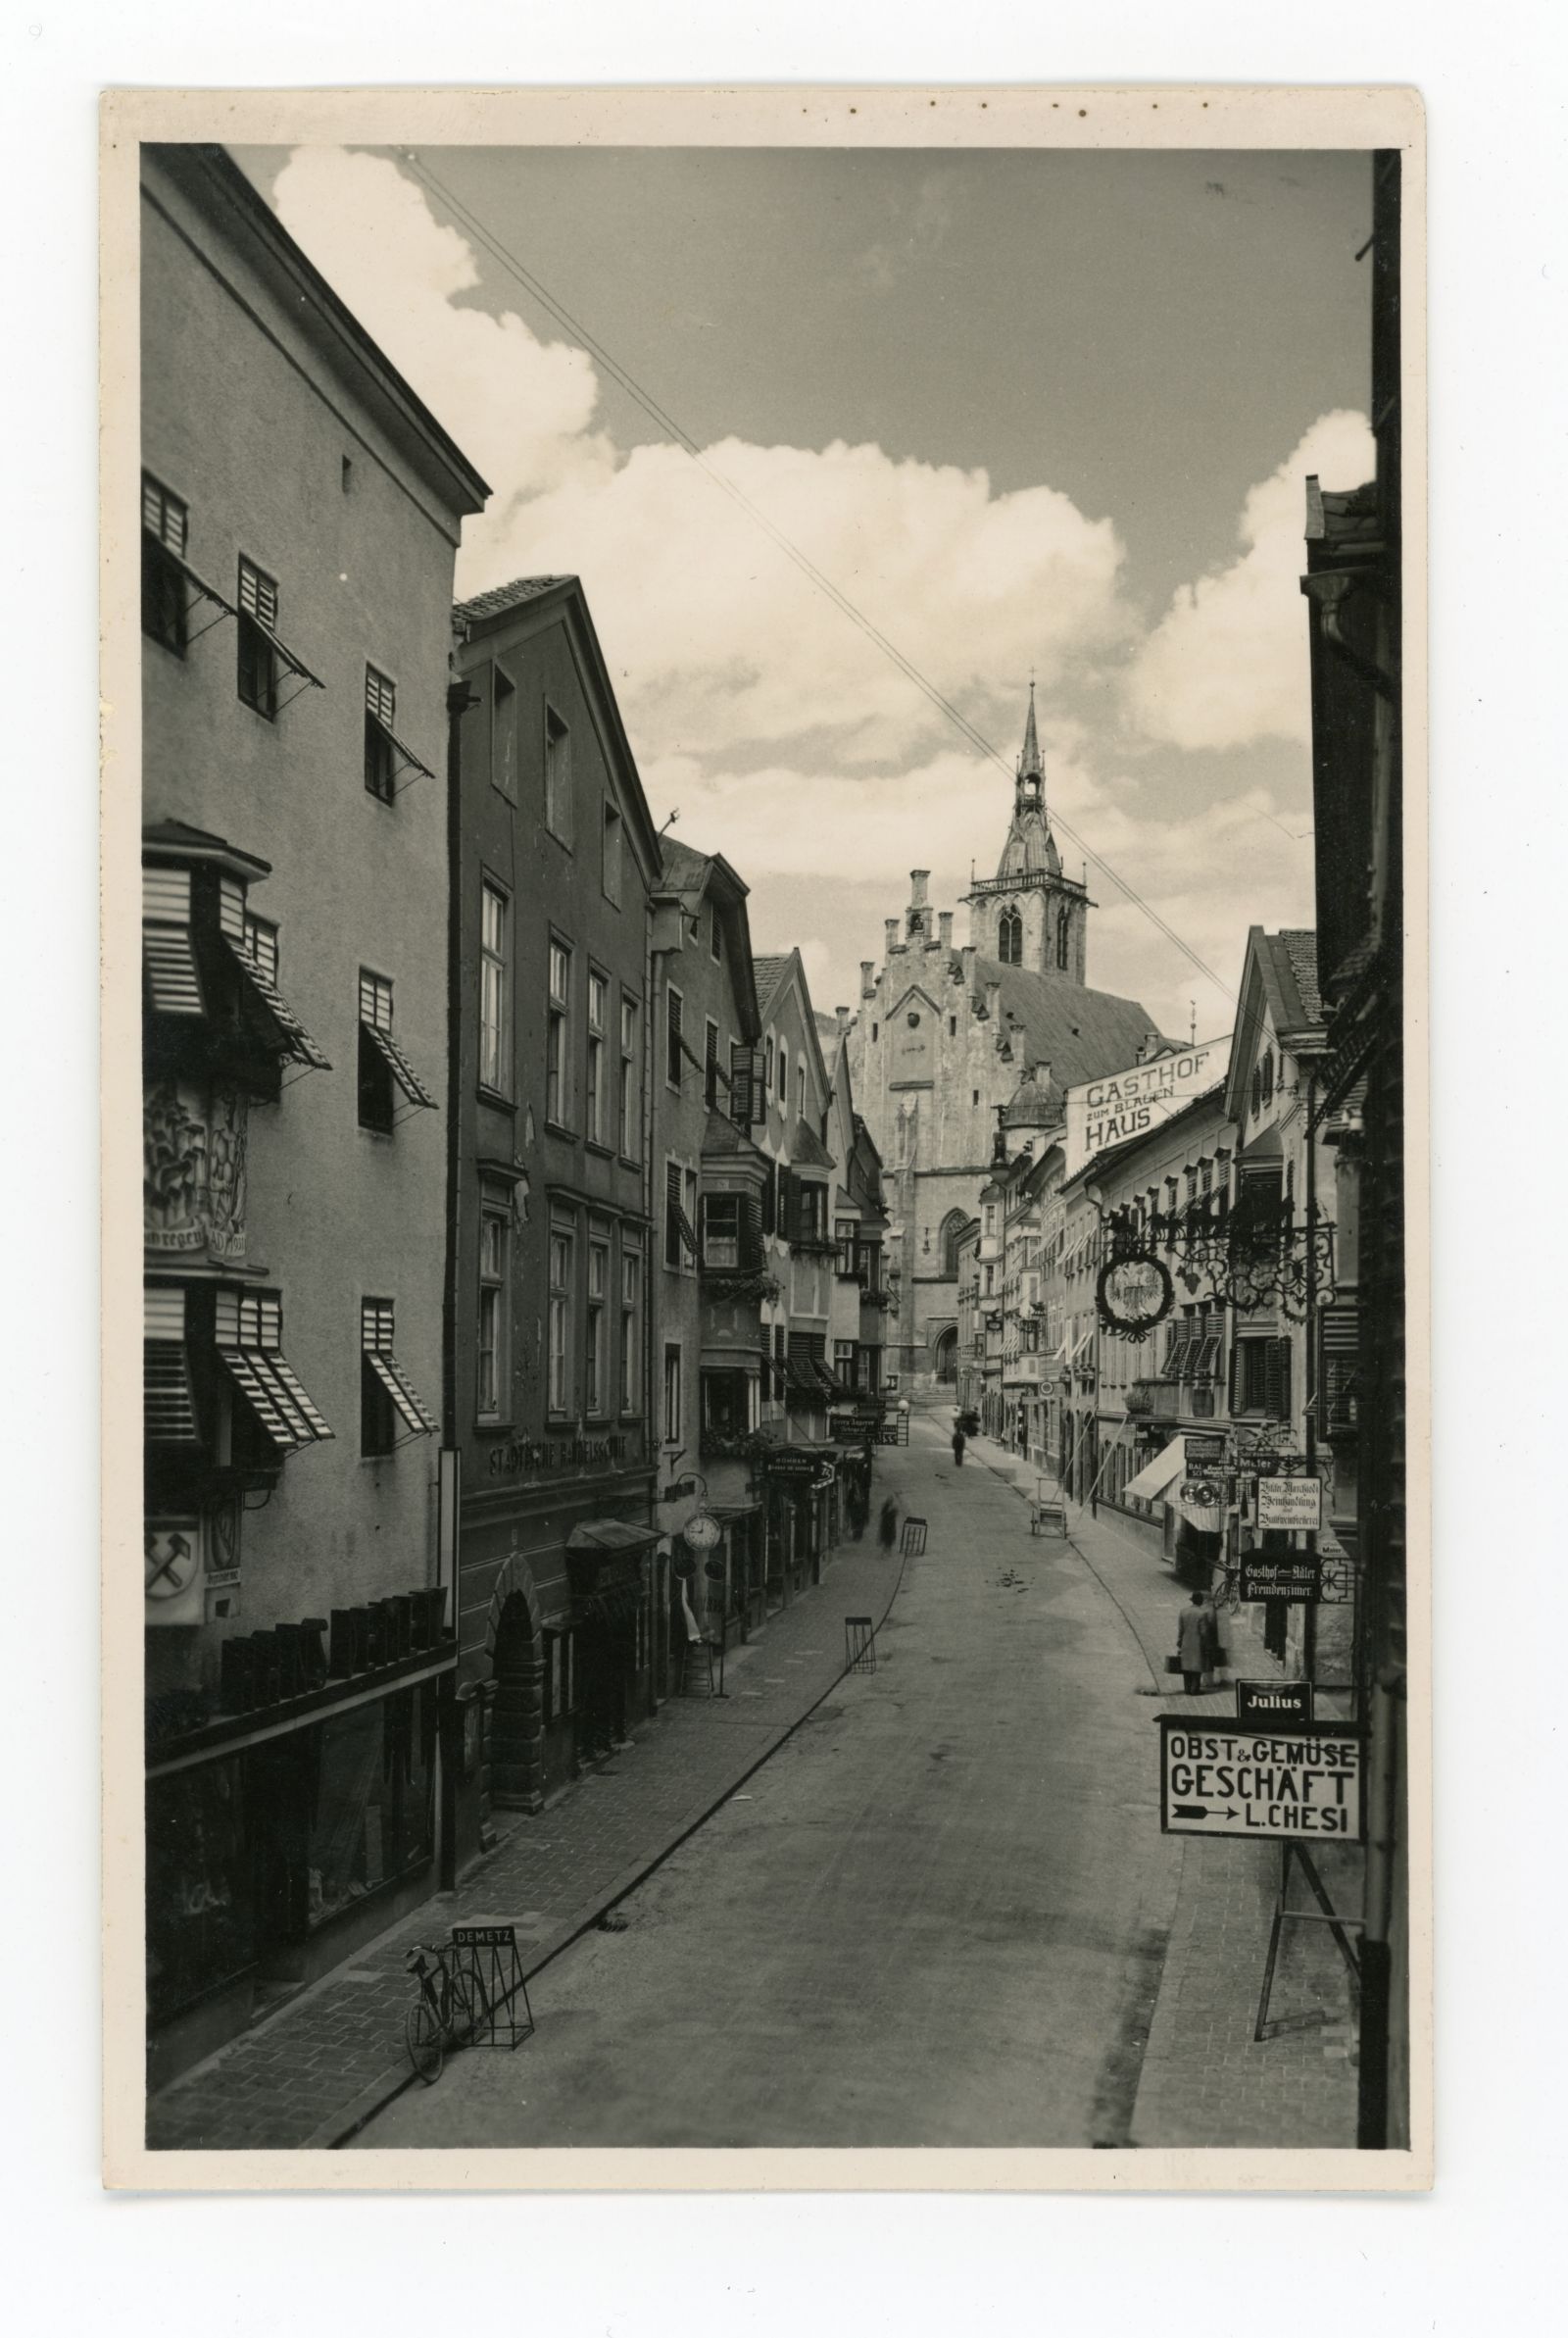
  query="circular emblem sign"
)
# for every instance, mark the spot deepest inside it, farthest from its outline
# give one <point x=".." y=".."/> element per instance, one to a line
<point x="702" y="1533"/>
<point x="1134" y="1295"/>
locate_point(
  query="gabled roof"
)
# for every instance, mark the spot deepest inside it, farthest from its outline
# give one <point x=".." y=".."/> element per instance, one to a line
<point x="774" y="974"/>
<point x="686" y="876"/>
<point x="723" y="1140"/>
<point x="502" y="597"/>
<point x="771" y="972"/>
<point x="806" y="1149"/>
<point x="1279" y="979"/>
<point x="1081" y="1033"/>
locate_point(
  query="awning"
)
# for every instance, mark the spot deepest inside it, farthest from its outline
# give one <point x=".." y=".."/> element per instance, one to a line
<point x="617" y="1603"/>
<point x="275" y="1397"/>
<point x="297" y="1042"/>
<point x="611" y="1534"/>
<point x="405" y="1399"/>
<point x="1155" y="1475"/>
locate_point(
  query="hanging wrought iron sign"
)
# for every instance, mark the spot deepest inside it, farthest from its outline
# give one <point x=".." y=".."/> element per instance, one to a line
<point x="1254" y="1255"/>
<point x="1133" y="1294"/>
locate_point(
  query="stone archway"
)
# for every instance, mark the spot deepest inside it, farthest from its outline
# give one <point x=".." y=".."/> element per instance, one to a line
<point x="946" y="1356"/>
<point x="513" y="1641"/>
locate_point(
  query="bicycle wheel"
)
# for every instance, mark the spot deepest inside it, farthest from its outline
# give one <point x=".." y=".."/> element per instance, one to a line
<point x="462" y="2009"/>
<point x="427" y="2042"/>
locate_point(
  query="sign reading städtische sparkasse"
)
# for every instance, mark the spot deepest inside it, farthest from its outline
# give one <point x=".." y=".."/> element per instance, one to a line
<point x="1108" y="1112"/>
<point x="1250" y="1784"/>
<point x="1289" y="1505"/>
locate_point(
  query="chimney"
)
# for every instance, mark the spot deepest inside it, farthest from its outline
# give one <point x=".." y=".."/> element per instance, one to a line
<point x="944" y="923"/>
<point x="891" y="928"/>
<point x="918" y="878"/>
<point x="967" y="956"/>
<point x="868" y="977"/>
<point x="993" y="995"/>
<point x="843" y="1015"/>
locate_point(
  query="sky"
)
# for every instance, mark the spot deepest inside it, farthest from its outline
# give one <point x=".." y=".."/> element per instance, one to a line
<point x="1044" y="414"/>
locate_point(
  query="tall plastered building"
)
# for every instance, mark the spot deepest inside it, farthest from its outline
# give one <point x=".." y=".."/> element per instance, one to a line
<point x="957" y="1051"/>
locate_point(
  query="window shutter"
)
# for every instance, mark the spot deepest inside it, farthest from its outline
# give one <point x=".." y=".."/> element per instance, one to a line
<point x="770" y="1201"/>
<point x="1276" y="1379"/>
<point x="1236" y="1365"/>
<point x="751" y="1234"/>
<point x="742" y="1084"/>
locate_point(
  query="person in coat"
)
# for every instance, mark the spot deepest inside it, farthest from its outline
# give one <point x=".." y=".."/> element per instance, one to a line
<point x="958" y="1447"/>
<point x="888" y="1523"/>
<point x="1192" y="1628"/>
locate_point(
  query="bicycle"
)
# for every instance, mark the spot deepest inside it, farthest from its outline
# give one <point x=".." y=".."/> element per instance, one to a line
<point x="444" y="2014"/>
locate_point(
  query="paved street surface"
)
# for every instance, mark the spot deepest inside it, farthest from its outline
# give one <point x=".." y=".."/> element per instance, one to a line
<point x="940" y="1915"/>
<point x="938" y="1910"/>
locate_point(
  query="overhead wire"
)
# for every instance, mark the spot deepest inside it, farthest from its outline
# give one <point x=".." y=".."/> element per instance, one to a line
<point x="633" y="389"/>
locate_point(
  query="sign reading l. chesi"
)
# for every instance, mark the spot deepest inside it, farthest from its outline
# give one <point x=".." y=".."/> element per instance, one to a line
<point x="1108" y="1112"/>
<point x="1251" y="1784"/>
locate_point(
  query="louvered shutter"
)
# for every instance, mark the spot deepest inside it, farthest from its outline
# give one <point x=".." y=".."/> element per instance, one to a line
<point x="742" y="1084"/>
<point x="1338" y="1355"/>
<point x="1276" y="1379"/>
<point x="770" y="1200"/>
<point x="751" y="1234"/>
<point x="1235" y="1372"/>
<point x="257" y="595"/>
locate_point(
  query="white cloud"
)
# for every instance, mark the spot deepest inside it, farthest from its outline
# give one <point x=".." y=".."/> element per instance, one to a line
<point x="1228" y="661"/>
<point x="716" y="642"/>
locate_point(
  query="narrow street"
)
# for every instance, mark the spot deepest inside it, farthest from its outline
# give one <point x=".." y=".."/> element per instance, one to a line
<point x="936" y="1916"/>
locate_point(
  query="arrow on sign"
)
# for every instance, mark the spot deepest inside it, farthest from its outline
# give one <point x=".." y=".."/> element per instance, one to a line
<point x="1201" y="1810"/>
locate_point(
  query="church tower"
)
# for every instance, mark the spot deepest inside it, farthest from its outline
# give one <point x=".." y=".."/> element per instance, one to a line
<point x="1030" y="915"/>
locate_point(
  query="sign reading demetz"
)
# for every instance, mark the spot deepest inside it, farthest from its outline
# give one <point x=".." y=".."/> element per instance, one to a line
<point x="1108" y="1112"/>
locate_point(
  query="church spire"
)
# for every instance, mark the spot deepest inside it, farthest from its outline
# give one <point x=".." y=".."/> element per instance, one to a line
<point x="1029" y="766"/>
<point x="1031" y="849"/>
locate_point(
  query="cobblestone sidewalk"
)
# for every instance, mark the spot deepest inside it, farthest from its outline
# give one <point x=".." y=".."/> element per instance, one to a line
<point x="313" y="2073"/>
<point x="1205" y="2078"/>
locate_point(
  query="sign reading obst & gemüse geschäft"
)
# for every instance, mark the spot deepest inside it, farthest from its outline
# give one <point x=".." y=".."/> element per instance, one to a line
<point x="1250" y="1784"/>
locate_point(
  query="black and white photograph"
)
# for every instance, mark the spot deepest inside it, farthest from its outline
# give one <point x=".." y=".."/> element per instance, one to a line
<point x="782" y="1250"/>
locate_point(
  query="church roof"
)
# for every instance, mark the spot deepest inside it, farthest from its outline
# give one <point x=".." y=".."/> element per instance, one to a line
<point x="1030" y="849"/>
<point x="1081" y="1033"/>
<point x="1035" y="1103"/>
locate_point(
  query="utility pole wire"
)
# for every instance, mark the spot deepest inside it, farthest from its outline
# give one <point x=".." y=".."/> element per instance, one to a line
<point x="792" y="551"/>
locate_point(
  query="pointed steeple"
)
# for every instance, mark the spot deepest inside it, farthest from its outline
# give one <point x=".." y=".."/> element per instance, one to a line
<point x="1030" y="849"/>
<point x="1029" y="765"/>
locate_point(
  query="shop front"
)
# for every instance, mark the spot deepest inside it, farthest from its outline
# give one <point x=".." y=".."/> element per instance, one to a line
<point x="280" y="1836"/>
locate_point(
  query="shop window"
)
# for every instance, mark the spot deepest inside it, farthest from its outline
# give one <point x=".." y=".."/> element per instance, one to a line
<point x="372" y="1810"/>
<point x="558" y="777"/>
<point x="201" y="1923"/>
<point x="164" y="522"/>
<point x="257" y="662"/>
<point x="380" y="749"/>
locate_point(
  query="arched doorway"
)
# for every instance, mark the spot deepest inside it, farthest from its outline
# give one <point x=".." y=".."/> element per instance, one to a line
<point x="514" y="1644"/>
<point x="947" y="1356"/>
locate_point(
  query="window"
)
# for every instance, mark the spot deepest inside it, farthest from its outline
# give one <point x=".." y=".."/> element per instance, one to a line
<point x="783" y="1077"/>
<point x="722" y="1230"/>
<point x="503" y="733"/>
<point x="383" y="1066"/>
<point x="672" y="1037"/>
<point x="558" y="777"/>
<point x="843" y="1361"/>
<point x="257" y="675"/>
<point x="165" y="521"/>
<point x="631" y="1349"/>
<point x="260" y="945"/>
<point x="380" y="749"/>
<point x="558" y="1057"/>
<point x="1009" y="938"/>
<point x="874" y="1030"/>
<point x="594" y="1348"/>
<point x="671" y="1393"/>
<point x="630" y="1113"/>
<point x="494" y="988"/>
<point x="710" y="1065"/>
<point x="610" y="864"/>
<point x="1063" y="937"/>
<point x="494" y="1243"/>
<point x="680" y="1242"/>
<point x="390" y="1409"/>
<point x="953" y="1026"/>
<point x="559" y="1354"/>
<point x="844" y="1231"/>
<point x="597" y="1011"/>
<point x="1262" y="1384"/>
<point x="767" y="1063"/>
<point x="715" y="939"/>
<point x="1266" y="1070"/>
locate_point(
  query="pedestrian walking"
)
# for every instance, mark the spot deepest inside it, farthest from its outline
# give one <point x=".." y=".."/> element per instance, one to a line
<point x="958" y="1447"/>
<point x="887" y="1530"/>
<point x="1193" y="1630"/>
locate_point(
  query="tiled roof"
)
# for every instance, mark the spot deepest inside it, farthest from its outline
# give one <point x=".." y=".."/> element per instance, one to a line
<point x="684" y="867"/>
<point x="1082" y="1034"/>
<point x="723" y="1140"/>
<point x="502" y="597"/>
<point x="1300" y="951"/>
<point x="769" y="973"/>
